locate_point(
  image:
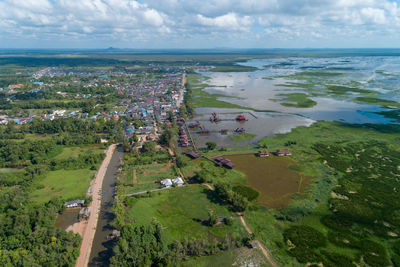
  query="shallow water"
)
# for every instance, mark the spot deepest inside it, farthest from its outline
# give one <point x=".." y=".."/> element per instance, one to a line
<point x="262" y="124"/>
<point x="67" y="218"/>
<point x="251" y="89"/>
<point x="380" y="74"/>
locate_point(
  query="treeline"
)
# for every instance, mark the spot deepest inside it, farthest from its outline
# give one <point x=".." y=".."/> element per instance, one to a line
<point x="44" y="104"/>
<point x="28" y="236"/>
<point x="141" y="245"/>
<point x="66" y="127"/>
<point x="71" y="125"/>
<point x="188" y="99"/>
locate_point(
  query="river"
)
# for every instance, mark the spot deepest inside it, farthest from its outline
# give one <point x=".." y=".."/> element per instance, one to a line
<point x="102" y="247"/>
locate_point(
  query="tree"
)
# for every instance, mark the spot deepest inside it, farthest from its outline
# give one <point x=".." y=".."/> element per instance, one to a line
<point x="180" y="161"/>
<point x="149" y="146"/>
<point x="212" y="218"/>
<point x="211" y="145"/>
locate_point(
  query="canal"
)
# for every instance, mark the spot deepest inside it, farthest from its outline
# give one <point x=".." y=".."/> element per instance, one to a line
<point x="102" y="247"/>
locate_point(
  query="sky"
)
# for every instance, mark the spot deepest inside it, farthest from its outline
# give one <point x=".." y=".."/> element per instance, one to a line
<point x="203" y="24"/>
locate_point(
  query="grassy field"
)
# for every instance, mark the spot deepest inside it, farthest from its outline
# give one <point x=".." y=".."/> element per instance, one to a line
<point x="274" y="177"/>
<point x="233" y="68"/>
<point x="141" y="188"/>
<point x="148" y="173"/>
<point x="74" y="152"/>
<point x="237" y="257"/>
<point x="241" y="137"/>
<point x="69" y="184"/>
<point x="183" y="212"/>
<point x="353" y="169"/>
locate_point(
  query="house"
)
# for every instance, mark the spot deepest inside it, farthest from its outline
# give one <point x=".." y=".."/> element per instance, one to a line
<point x="178" y="181"/>
<point x="263" y="153"/>
<point x="167" y="183"/>
<point x="74" y="203"/>
<point x="254" y="244"/>
<point x="283" y="152"/>
<point x="220" y="161"/>
<point x="193" y="155"/>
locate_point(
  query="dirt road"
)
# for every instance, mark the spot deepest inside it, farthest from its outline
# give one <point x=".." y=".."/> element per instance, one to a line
<point x="90" y="227"/>
<point x="264" y="250"/>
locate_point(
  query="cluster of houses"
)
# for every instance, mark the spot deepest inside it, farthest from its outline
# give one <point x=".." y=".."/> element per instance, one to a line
<point x="279" y="152"/>
<point x="220" y="161"/>
<point x="153" y="99"/>
<point x="168" y="183"/>
<point x="183" y="139"/>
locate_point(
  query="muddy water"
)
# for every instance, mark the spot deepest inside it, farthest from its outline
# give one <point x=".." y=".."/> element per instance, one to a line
<point x="102" y="247"/>
<point x="67" y="218"/>
<point x="273" y="177"/>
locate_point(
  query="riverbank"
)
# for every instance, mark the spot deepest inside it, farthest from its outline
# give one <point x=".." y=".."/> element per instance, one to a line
<point x="87" y="229"/>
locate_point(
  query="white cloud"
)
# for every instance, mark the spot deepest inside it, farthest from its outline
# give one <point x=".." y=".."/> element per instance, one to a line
<point x="228" y="21"/>
<point x="239" y="21"/>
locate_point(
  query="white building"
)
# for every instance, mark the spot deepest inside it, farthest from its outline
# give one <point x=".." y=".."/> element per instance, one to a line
<point x="167" y="183"/>
<point x="178" y="181"/>
<point x="74" y="203"/>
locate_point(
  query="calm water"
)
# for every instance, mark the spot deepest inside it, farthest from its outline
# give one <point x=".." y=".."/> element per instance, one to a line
<point x="252" y="89"/>
<point x="102" y="247"/>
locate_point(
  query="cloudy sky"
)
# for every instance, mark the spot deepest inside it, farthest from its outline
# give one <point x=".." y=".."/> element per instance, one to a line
<point x="199" y="23"/>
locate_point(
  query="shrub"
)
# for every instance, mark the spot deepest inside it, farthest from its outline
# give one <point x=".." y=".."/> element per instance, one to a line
<point x="304" y="236"/>
<point x="334" y="259"/>
<point x="246" y="192"/>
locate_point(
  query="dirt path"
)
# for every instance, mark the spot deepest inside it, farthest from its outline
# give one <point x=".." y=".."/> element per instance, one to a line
<point x="90" y="227"/>
<point x="134" y="177"/>
<point x="264" y="250"/>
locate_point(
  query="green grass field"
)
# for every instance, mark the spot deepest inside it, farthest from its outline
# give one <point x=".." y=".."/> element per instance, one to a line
<point x="236" y="257"/>
<point x="68" y="184"/>
<point x="141" y="187"/>
<point x="233" y="68"/>
<point x="183" y="212"/>
<point x="308" y="209"/>
<point x="153" y="172"/>
<point x="75" y="151"/>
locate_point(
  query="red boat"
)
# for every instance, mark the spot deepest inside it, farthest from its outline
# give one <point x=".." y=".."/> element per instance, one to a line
<point x="241" y="118"/>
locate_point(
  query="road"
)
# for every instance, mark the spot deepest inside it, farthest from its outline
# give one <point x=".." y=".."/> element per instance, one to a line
<point x="90" y="229"/>
<point x="265" y="251"/>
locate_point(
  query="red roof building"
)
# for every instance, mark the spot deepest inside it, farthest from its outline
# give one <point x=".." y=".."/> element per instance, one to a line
<point x="283" y="152"/>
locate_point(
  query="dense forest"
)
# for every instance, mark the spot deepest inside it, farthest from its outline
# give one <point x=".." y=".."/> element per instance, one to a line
<point x="28" y="236"/>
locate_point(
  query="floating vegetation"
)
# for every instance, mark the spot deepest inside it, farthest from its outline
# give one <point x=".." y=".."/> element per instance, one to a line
<point x="297" y="100"/>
